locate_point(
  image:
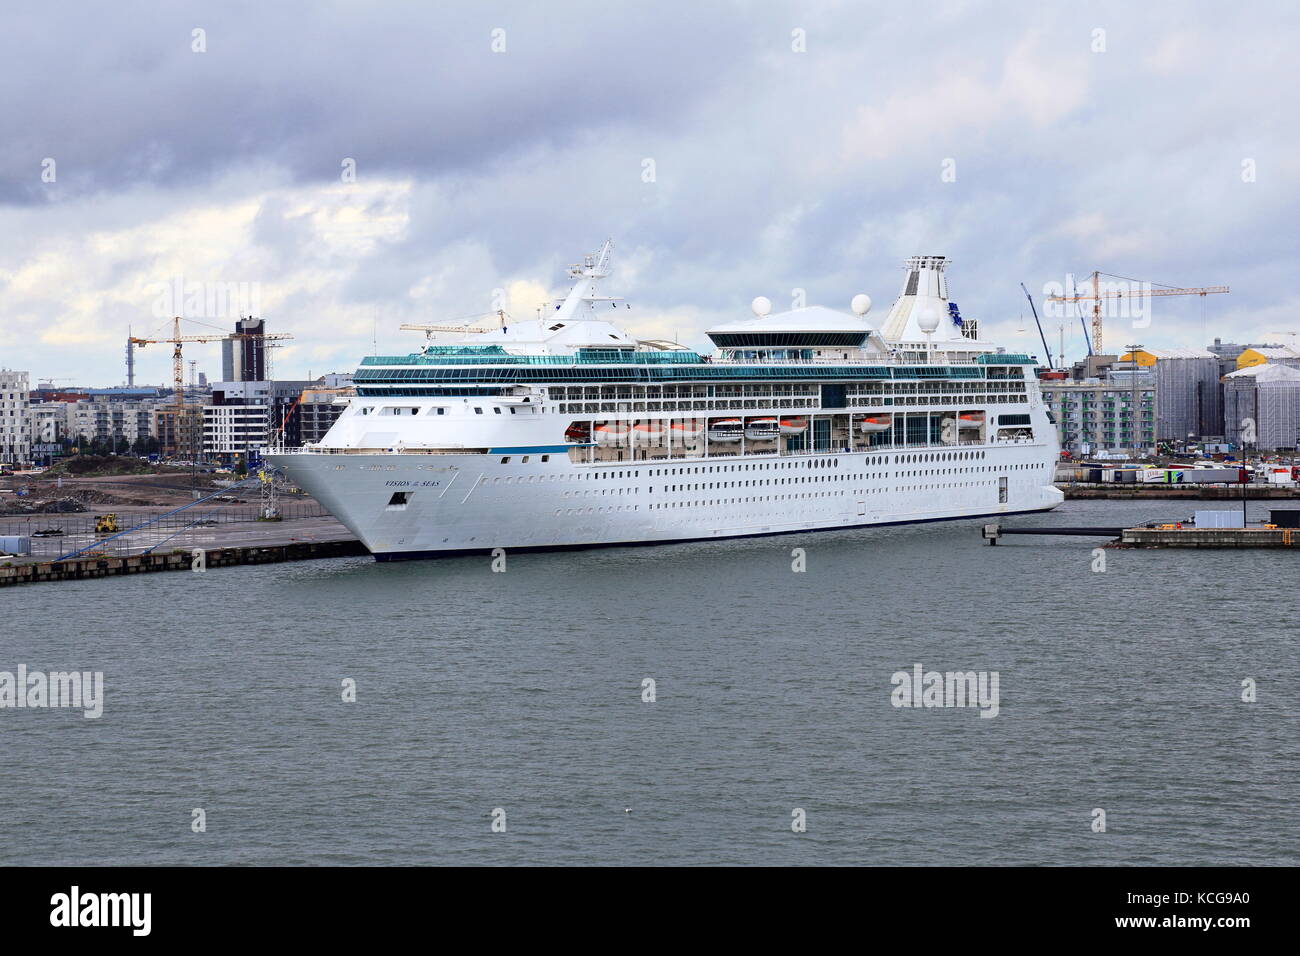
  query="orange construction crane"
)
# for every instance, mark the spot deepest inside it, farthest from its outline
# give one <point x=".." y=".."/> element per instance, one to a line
<point x="1144" y="290"/>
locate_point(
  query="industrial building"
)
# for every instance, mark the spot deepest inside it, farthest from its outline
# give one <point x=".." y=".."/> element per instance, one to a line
<point x="1262" y="407"/>
<point x="1275" y="354"/>
<point x="1187" y="382"/>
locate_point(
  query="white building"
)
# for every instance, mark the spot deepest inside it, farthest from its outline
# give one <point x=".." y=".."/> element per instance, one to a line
<point x="244" y="415"/>
<point x="15" y="431"/>
<point x="47" y="423"/>
<point x="116" y="423"/>
<point x="234" y="429"/>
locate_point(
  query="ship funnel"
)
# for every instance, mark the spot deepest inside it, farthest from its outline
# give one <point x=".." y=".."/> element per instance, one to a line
<point x="922" y="308"/>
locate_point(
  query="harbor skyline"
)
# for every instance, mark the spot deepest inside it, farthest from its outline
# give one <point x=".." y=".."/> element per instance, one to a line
<point x="1011" y="157"/>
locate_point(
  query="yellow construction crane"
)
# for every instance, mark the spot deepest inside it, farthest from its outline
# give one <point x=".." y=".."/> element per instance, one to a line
<point x="178" y="362"/>
<point x="1097" y="295"/>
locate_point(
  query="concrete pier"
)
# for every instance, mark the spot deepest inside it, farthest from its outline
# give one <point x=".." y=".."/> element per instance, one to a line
<point x="93" y="567"/>
<point x="1127" y="492"/>
<point x="1210" y="538"/>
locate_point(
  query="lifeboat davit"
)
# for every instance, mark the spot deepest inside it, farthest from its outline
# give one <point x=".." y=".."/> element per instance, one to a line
<point x="876" y="423"/>
<point x="726" y="429"/>
<point x="578" y="432"/>
<point x="647" y="433"/>
<point x="611" y="433"/>
<point x="762" y="429"/>
<point x="793" y="426"/>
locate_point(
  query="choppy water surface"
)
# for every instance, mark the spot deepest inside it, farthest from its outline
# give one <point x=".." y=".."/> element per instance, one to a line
<point x="1119" y="690"/>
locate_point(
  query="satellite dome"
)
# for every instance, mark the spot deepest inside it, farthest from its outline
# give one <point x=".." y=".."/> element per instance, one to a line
<point x="861" y="304"/>
<point x="929" y="317"/>
<point x="761" y="305"/>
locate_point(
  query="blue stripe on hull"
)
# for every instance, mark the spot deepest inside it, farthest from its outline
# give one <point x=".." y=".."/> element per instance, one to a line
<point x="533" y="450"/>
<point x="464" y="552"/>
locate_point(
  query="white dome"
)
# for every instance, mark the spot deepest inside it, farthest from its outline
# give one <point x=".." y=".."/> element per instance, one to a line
<point x="861" y="304"/>
<point x="929" y="316"/>
<point x="761" y="305"/>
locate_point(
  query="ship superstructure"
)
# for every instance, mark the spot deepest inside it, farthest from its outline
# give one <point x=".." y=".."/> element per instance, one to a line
<point x="566" y="431"/>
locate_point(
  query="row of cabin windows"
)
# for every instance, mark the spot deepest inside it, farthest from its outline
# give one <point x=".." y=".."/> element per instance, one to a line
<point x="794" y="480"/>
<point x="810" y="494"/>
<point x="713" y="502"/>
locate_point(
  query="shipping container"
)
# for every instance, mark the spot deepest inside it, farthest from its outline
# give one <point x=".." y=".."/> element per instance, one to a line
<point x="1219" y="519"/>
<point x="1204" y="475"/>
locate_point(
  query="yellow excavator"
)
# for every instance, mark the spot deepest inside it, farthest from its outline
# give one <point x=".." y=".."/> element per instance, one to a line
<point x="106" y="524"/>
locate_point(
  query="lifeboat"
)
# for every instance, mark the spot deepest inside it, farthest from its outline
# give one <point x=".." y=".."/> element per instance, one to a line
<point x="647" y="433"/>
<point x="611" y="433"/>
<point x="793" y="426"/>
<point x="762" y="429"/>
<point x="726" y="430"/>
<point x="578" y="432"/>
<point x="970" y="419"/>
<point x="876" y="423"/>
<point x="687" y="431"/>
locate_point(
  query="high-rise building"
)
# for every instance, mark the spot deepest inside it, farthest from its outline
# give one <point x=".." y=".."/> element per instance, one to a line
<point x="244" y="359"/>
<point x="15" y="430"/>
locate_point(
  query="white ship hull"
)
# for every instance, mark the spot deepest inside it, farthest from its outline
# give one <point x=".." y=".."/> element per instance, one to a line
<point x="475" y="502"/>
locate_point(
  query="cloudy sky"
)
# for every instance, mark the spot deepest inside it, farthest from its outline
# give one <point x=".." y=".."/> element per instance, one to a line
<point x="351" y="166"/>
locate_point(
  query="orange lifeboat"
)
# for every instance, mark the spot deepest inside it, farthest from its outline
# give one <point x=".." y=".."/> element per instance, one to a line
<point x="647" y="433"/>
<point x="876" y="423"/>
<point x="686" y="431"/>
<point x="611" y="433"/>
<point x="793" y="426"/>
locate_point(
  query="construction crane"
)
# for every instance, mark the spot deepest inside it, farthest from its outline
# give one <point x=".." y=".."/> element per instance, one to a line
<point x="178" y="362"/>
<point x="178" y="373"/>
<point x="428" y="330"/>
<point x="1097" y="295"/>
<point x="1040" y="327"/>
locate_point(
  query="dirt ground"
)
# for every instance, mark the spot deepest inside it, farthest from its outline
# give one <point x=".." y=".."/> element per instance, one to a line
<point x="74" y="495"/>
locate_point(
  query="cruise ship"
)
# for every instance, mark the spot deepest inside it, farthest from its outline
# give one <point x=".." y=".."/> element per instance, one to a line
<point x="565" y="431"/>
